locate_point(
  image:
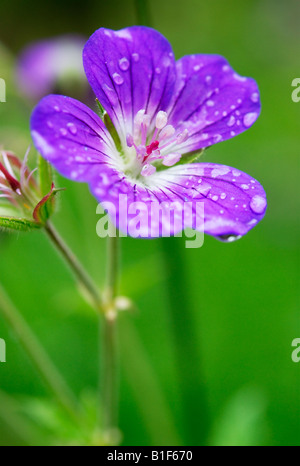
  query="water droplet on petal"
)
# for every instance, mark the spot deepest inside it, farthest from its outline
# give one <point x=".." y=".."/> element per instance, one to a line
<point x="56" y="108"/>
<point x="255" y="97"/>
<point x="72" y="128"/>
<point x="244" y="186"/>
<point x="258" y="204"/>
<point x="250" y="118"/>
<point x="223" y="196"/>
<point x="124" y="64"/>
<point x="63" y="131"/>
<point x="49" y="124"/>
<point x="229" y="238"/>
<point x="231" y="121"/>
<point x="218" y="138"/>
<point x="158" y="70"/>
<point x="135" y="57"/>
<point x="118" y="79"/>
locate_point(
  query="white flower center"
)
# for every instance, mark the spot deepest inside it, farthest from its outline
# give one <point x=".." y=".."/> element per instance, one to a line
<point x="153" y="145"/>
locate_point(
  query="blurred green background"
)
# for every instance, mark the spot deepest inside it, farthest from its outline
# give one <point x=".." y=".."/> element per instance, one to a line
<point x="206" y="360"/>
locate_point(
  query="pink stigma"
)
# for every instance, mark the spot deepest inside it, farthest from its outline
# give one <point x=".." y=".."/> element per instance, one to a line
<point x="153" y="146"/>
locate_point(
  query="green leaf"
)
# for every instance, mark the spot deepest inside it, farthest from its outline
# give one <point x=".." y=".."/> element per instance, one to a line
<point x="18" y="224"/>
<point x="45" y="175"/>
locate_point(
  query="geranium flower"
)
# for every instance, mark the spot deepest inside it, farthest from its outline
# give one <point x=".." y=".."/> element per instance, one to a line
<point x="160" y="113"/>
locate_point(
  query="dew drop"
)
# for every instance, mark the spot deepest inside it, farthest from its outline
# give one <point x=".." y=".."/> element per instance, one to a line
<point x="250" y="118"/>
<point x="124" y="64"/>
<point x="215" y="198"/>
<point x="218" y="138"/>
<point x="56" y="108"/>
<point x="135" y="57"/>
<point x="208" y="79"/>
<point x="49" y="124"/>
<point x="118" y="79"/>
<point x="72" y="128"/>
<point x="258" y="204"/>
<point x="63" y="131"/>
<point x="229" y="238"/>
<point x="244" y="186"/>
<point x="158" y="70"/>
<point x="231" y="121"/>
<point x="255" y="97"/>
<point x="223" y="196"/>
<point x="210" y="103"/>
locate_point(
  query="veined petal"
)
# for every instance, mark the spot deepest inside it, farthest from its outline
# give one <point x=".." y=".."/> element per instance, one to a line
<point x="233" y="202"/>
<point x="130" y="70"/>
<point x="211" y="101"/>
<point x="72" y="137"/>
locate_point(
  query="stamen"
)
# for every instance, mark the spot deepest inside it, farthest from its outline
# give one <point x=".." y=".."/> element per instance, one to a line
<point x="170" y="159"/>
<point x="182" y="137"/>
<point x="161" y="120"/>
<point x="166" y="132"/>
<point x="148" y="170"/>
<point x="129" y="140"/>
<point x="162" y="137"/>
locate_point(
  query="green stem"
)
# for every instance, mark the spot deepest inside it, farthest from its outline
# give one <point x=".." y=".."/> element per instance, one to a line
<point x="10" y="415"/>
<point x="143" y="12"/>
<point x="80" y="273"/>
<point x="195" y="416"/>
<point x="39" y="357"/>
<point x="110" y="376"/>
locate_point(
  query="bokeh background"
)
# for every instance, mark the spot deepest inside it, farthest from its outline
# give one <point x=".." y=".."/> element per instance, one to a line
<point x="206" y="358"/>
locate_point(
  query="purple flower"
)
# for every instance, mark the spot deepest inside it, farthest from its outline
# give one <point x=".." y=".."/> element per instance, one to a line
<point x="44" y="65"/>
<point x="163" y="112"/>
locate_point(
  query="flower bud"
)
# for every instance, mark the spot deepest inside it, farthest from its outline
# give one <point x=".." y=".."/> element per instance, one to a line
<point x="26" y="201"/>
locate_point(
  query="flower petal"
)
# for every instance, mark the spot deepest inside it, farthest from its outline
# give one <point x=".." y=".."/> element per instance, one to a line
<point x="130" y="70"/>
<point x="233" y="202"/>
<point x="72" y="137"/>
<point x="211" y="101"/>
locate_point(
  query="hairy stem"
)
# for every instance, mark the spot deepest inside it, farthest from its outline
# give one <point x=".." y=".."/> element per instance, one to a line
<point x="77" y="268"/>
<point x="110" y="374"/>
